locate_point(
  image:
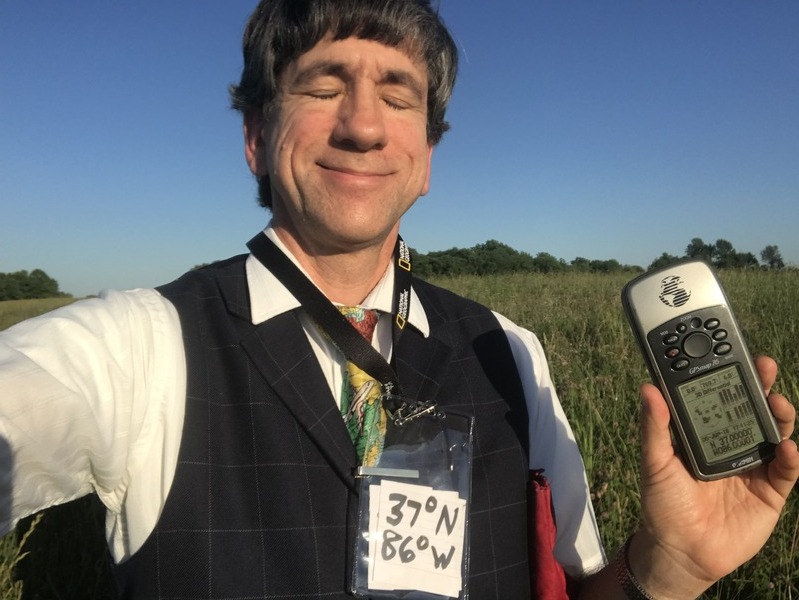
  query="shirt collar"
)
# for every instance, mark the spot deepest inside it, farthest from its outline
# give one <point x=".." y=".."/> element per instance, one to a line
<point x="270" y="298"/>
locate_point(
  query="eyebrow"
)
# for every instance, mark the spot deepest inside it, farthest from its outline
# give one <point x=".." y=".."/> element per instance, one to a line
<point x="324" y="68"/>
<point x="404" y="78"/>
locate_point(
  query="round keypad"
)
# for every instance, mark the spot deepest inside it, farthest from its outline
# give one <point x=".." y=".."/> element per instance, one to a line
<point x="694" y="339"/>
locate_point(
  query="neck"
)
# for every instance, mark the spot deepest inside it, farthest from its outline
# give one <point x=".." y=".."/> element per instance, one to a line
<point x="345" y="277"/>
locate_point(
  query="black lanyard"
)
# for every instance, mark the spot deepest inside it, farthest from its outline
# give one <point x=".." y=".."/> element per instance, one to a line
<point x="343" y="335"/>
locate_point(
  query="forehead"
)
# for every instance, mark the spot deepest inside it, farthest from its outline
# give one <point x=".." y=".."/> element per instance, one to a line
<point x="356" y="55"/>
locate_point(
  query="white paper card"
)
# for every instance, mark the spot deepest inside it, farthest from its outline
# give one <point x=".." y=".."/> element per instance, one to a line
<point x="416" y="538"/>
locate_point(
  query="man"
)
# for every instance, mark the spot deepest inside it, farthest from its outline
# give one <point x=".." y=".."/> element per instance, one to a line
<point x="206" y="414"/>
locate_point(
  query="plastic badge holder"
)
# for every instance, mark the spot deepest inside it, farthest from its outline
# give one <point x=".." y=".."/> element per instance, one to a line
<point x="413" y="512"/>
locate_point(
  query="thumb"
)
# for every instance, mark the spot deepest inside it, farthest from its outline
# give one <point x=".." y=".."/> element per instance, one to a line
<point x="656" y="448"/>
<point x="783" y="471"/>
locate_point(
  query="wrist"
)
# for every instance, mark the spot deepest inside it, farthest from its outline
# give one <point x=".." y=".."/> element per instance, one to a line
<point x="653" y="573"/>
<point x="632" y="588"/>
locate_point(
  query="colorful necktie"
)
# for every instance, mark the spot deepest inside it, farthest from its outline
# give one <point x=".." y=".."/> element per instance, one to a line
<point x="360" y="399"/>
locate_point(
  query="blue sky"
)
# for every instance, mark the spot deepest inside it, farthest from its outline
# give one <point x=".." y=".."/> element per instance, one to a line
<point x="618" y="129"/>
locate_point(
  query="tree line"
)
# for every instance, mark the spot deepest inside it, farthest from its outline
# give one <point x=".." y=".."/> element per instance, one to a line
<point x="493" y="257"/>
<point x="489" y="258"/>
<point x="24" y="285"/>
<point x="723" y="255"/>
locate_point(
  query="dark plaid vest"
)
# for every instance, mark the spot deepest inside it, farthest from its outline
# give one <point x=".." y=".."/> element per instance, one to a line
<point x="263" y="501"/>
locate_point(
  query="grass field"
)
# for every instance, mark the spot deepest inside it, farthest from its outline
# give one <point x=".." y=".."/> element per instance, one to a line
<point x="13" y="311"/>
<point x="597" y="370"/>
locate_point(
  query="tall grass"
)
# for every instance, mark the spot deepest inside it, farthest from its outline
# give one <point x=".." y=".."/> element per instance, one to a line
<point x="597" y="369"/>
<point x="13" y="311"/>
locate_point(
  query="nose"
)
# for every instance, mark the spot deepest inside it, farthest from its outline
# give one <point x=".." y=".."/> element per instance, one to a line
<point x="360" y="123"/>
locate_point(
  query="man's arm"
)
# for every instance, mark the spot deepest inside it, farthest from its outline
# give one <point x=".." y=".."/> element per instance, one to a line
<point x="693" y="532"/>
<point x="91" y="399"/>
<point x="554" y="449"/>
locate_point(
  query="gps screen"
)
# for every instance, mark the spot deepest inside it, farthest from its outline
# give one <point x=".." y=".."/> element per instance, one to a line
<point x="721" y="412"/>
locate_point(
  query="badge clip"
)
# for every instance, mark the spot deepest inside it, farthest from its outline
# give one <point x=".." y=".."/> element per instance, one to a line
<point x="415" y="410"/>
<point x="385" y="472"/>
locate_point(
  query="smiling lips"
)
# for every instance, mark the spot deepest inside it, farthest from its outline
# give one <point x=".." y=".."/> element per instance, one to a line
<point x="353" y="172"/>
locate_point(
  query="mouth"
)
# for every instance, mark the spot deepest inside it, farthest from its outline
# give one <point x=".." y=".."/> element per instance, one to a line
<point x="353" y="171"/>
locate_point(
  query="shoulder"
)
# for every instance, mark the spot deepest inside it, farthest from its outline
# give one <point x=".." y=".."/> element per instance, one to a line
<point x="100" y="316"/>
<point x="524" y="343"/>
<point x="207" y="275"/>
<point x="210" y="286"/>
<point x="444" y="305"/>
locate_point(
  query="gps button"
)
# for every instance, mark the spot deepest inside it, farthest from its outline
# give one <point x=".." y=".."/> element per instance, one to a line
<point x="697" y="345"/>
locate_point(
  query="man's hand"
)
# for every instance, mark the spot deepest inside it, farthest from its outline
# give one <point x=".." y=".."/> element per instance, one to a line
<point x="695" y="532"/>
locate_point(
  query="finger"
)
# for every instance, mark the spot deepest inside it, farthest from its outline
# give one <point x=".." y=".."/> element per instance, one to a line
<point x="767" y="369"/>
<point x="656" y="447"/>
<point x="783" y="471"/>
<point x="784" y="414"/>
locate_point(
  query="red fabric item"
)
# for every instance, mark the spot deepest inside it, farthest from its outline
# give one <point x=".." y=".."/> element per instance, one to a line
<point x="547" y="579"/>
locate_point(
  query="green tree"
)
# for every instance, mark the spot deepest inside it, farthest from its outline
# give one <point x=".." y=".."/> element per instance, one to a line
<point x="724" y="255"/>
<point x="546" y="263"/>
<point x="771" y="257"/>
<point x="494" y="257"/>
<point x="9" y="287"/>
<point x="41" y="285"/>
<point x="745" y="260"/>
<point x="581" y="264"/>
<point x="663" y="260"/>
<point x="699" y="249"/>
<point x="605" y="266"/>
<point x="421" y="263"/>
<point x="454" y="261"/>
<point x="22" y="285"/>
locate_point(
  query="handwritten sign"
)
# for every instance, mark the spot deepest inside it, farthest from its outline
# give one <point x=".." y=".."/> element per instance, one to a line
<point x="416" y="538"/>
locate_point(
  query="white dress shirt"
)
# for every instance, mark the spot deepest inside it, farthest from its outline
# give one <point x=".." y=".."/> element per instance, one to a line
<point x="92" y="398"/>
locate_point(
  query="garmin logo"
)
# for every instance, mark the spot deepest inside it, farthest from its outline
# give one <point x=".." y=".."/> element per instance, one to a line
<point x="743" y="462"/>
<point x="673" y="292"/>
<point x="704" y="367"/>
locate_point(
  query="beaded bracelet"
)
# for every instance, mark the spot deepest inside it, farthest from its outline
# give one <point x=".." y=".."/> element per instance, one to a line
<point x="629" y="584"/>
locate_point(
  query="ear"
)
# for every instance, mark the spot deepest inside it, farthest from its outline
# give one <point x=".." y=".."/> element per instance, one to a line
<point x="426" y="186"/>
<point x="254" y="147"/>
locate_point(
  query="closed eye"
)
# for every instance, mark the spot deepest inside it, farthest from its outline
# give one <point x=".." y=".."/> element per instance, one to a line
<point x="323" y="94"/>
<point x="395" y="103"/>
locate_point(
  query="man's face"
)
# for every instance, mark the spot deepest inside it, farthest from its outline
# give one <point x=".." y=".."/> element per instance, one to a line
<point x="345" y="146"/>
